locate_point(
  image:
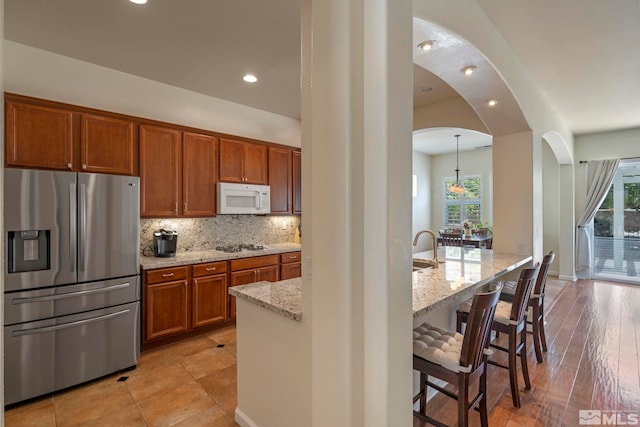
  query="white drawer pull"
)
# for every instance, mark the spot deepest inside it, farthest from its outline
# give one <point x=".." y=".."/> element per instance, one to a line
<point x="168" y="274"/>
<point x="211" y="269"/>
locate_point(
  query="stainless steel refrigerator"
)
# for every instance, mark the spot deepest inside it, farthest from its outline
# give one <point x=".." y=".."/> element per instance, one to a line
<point x="72" y="287"/>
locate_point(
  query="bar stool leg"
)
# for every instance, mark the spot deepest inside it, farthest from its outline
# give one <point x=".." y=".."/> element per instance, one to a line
<point x="463" y="400"/>
<point x="537" y="338"/>
<point x="543" y="337"/>
<point x="513" y="369"/>
<point x="484" y="414"/>
<point x="523" y="360"/>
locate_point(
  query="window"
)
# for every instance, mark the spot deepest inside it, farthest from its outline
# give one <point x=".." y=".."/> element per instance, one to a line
<point x="459" y="208"/>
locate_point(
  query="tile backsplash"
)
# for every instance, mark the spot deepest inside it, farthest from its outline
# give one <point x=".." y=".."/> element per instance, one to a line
<point x="200" y="234"/>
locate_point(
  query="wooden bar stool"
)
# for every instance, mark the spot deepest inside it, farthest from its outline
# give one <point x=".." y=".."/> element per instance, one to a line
<point x="535" y="313"/>
<point x="456" y="359"/>
<point x="452" y="239"/>
<point x="510" y="319"/>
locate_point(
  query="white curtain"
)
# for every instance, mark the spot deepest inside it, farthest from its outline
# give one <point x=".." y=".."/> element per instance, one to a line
<point x="600" y="175"/>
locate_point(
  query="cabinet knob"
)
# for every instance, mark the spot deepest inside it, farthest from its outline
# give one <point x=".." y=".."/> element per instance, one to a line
<point x="69" y="166"/>
<point x="84" y="166"/>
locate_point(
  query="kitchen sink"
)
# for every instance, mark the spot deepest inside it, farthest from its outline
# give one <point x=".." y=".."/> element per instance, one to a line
<point x="419" y="264"/>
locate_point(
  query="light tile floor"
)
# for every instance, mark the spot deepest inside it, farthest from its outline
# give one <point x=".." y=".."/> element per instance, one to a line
<point x="189" y="383"/>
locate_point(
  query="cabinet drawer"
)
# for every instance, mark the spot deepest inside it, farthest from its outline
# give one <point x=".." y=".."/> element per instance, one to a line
<point x="290" y="257"/>
<point x="254" y="262"/>
<point x="209" y="268"/>
<point x="166" y="275"/>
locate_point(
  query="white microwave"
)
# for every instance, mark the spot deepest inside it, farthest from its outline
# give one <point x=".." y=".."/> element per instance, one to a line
<point x="243" y="198"/>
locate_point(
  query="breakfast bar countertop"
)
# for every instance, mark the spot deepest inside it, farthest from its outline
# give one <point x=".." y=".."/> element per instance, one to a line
<point x="195" y="257"/>
<point x="463" y="270"/>
<point x="283" y="297"/>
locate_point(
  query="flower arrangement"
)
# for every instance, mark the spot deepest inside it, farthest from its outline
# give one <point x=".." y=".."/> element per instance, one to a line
<point x="467" y="225"/>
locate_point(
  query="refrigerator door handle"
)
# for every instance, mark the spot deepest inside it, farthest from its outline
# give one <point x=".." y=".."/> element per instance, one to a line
<point x="16" y="301"/>
<point x="73" y="236"/>
<point x="83" y="226"/>
<point x="70" y="324"/>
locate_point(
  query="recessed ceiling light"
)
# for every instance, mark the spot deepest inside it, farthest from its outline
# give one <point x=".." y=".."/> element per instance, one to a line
<point x="138" y="1"/>
<point x="426" y="45"/>
<point x="250" y="78"/>
<point x="492" y="102"/>
<point x="467" y="71"/>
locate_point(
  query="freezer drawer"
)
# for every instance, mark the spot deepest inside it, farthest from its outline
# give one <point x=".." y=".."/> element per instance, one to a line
<point x="28" y="306"/>
<point x="49" y="355"/>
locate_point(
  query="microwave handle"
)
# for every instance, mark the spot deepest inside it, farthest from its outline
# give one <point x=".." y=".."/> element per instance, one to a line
<point x="258" y="200"/>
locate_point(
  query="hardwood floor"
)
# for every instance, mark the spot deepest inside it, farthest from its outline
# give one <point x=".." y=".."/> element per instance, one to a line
<point x="592" y="363"/>
<point x="593" y="334"/>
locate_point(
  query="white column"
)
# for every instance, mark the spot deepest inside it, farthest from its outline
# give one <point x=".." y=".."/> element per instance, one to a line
<point x="2" y="253"/>
<point x="513" y="194"/>
<point x="356" y="150"/>
<point x="566" y="239"/>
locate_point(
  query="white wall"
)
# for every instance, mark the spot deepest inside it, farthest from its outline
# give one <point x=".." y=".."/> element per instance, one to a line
<point x="551" y="202"/>
<point x="476" y="162"/>
<point x="422" y="202"/>
<point x="41" y="74"/>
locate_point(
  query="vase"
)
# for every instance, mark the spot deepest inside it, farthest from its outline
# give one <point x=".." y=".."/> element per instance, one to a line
<point x="467" y="232"/>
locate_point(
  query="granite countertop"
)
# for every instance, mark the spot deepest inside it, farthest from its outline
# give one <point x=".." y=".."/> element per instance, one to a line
<point x="283" y="297"/>
<point x="196" y="257"/>
<point x="463" y="270"/>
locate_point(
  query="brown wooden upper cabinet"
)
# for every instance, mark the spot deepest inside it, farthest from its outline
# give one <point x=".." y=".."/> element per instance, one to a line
<point x="42" y="136"/>
<point x="177" y="173"/>
<point x="107" y="145"/>
<point x="297" y="182"/>
<point x="243" y="162"/>
<point x="39" y="137"/>
<point x="280" y="180"/>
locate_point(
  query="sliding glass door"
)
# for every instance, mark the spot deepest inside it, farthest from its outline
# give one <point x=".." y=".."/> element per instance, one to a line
<point x="616" y="228"/>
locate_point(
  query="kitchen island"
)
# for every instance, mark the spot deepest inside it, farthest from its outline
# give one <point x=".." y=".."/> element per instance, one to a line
<point x="274" y="351"/>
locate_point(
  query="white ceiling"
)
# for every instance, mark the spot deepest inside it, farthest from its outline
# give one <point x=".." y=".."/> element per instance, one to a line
<point x="585" y="54"/>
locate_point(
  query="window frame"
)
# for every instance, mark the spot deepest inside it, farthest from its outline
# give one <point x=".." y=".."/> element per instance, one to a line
<point x="462" y="200"/>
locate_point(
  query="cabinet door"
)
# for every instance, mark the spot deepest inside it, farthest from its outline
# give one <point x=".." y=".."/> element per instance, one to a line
<point x="167" y="306"/>
<point x="231" y="161"/>
<point x="280" y="180"/>
<point x="291" y="270"/>
<point x="297" y="182"/>
<point x="159" y="171"/>
<point x="198" y="175"/>
<point x="270" y="274"/>
<point x="240" y="278"/>
<point x="107" y="145"/>
<point x="209" y="300"/>
<point x="255" y="164"/>
<point x="39" y="137"/>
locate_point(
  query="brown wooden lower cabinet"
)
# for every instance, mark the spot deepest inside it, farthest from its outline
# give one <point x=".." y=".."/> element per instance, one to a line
<point x="254" y="269"/>
<point x="182" y="301"/>
<point x="166" y="302"/>
<point x="290" y="265"/>
<point x="209" y="290"/>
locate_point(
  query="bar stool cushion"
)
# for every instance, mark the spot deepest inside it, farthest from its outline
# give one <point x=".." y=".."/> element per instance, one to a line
<point x="439" y="346"/>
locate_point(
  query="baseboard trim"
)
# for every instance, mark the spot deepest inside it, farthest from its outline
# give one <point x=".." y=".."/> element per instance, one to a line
<point x="243" y="419"/>
<point x="569" y="278"/>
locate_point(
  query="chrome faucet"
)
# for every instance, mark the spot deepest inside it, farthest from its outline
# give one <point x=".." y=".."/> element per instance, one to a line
<point x="434" y="261"/>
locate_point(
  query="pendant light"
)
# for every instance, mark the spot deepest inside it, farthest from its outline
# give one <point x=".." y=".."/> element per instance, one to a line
<point x="457" y="187"/>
